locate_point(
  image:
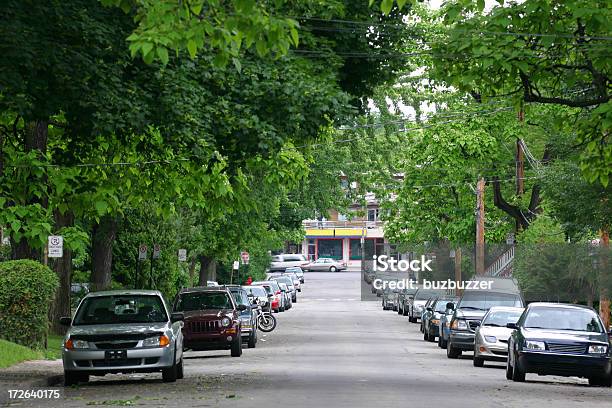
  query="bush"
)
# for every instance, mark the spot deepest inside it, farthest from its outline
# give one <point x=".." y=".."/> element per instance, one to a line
<point x="26" y="291"/>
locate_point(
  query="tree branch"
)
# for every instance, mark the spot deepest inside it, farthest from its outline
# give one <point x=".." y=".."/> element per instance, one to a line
<point x="506" y="207"/>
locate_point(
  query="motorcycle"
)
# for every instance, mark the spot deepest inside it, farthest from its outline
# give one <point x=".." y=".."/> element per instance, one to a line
<point x="266" y="322"/>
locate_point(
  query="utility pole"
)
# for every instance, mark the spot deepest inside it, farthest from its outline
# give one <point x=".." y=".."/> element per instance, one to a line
<point x="604" y="299"/>
<point x="480" y="227"/>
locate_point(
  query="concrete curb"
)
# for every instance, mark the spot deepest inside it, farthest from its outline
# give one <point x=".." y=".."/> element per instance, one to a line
<point x="36" y="380"/>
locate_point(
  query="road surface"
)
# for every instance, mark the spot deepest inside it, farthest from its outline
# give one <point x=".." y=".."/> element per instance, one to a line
<point x="333" y="350"/>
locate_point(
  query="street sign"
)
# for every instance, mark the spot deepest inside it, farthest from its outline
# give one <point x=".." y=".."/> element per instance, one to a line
<point x="245" y="257"/>
<point x="182" y="255"/>
<point x="56" y="246"/>
<point x="236" y="265"/>
<point x="156" y="251"/>
<point x="142" y="252"/>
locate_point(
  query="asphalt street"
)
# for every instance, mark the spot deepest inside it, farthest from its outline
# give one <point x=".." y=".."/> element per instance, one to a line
<point x="334" y="350"/>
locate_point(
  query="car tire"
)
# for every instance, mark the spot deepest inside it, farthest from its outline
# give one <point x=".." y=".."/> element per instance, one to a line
<point x="478" y="362"/>
<point x="432" y="338"/>
<point x="404" y="312"/>
<point x="452" y="352"/>
<point x="605" y="381"/>
<point x="170" y="374"/>
<point x="399" y="311"/>
<point x="179" y="370"/>
<point x="333" y="269"/>
<point x="444" y="344"/>
<point x="508" y="369"/>
<point x="236" y="350"/>
<point x="518" y="374"/>
<point x="252" y="339"/>
<point x="425" y="337"/>
<point x="73" y="378"/>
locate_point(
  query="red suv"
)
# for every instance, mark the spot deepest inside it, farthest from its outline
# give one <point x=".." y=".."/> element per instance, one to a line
<point x="212" y="319"/>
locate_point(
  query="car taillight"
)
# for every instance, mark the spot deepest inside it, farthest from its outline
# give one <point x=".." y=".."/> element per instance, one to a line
<point x="277" y="292"/>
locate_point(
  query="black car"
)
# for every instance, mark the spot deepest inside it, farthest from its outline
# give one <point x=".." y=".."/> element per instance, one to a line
<point x="560" y="339"/>
<point x="403" y="298"/>
<point x="472" y="307"/>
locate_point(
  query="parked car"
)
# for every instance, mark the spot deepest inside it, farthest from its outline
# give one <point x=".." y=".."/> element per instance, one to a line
<point x="473" y="306"/>
<point x="403" y="298"/>
<point x="431" y="325"/>
<point x="324" y="265"/>
<point x="277" y="300"/>
<point x="560" y="339"/>
<point x="298" y="271"/>
<point x="426" y="313"/>
<point x="297" y="284"/>
<point x="212" y="319"/>
<point x="122" y="332"/>
<point x="491" y="337"/>
<point x="389" y="299"/>
<point x="445" y="322"/>
<point x="286" y="295"/>
<point x="248" y="315"/>
<point x="212" y="283"/>
<point x="290" y="286"/>
<point x="259" y="296"/>
<point x="416" y="305"/>
<point x="283" y="261"/>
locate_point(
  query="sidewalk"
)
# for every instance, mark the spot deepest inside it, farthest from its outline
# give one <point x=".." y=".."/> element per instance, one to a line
<point x="30" y="375"/>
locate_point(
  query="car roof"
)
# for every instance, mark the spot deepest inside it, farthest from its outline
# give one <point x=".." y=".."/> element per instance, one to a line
<point x="559" y="305"/>
<point x="222" y="289"/>
<point x="505" y="309"/>
<point x="124" y="292"/>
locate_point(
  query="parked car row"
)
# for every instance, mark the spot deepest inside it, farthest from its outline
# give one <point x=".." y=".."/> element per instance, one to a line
<point x="497" y="325"/>
<point x="129" y="331"/>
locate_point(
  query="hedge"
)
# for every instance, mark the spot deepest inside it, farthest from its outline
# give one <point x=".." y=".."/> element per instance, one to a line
<point x="27" y="289"/>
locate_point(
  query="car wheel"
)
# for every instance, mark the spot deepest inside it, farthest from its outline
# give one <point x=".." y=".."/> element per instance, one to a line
<point x="605" y="381"/>
<point x="404" y="312"/>
<point x="444" y="343"/>
<point x="452" y="352"/>
<point x="399" y="311"/>
<point x="179" y="370"/>
<point x="478" y="362"/>
<point x="508" y="369"/>
<point x="333" y="269"/>
<point x="440" y="341"/>
<point x="425" y="337"/>
<point x="253" y="339"/>
<point x="73" y="378"/>
<point x="518" y="374"/>
<point x="432" y="338"/>
<point x="237" y="347"/>
<point x="170" y="374"/>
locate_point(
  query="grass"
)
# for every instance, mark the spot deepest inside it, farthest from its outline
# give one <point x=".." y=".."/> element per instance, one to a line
<point x="11" y="353"/>
<point x="54" y="347"/>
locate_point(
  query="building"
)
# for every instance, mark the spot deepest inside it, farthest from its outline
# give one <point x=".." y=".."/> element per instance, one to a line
<point x="339" y="236"/>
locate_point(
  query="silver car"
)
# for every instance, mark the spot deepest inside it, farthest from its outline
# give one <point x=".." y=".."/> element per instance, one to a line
<point x="324" y="265"/>
<point x="123" y="331"/>
<point x="491" y="337"/>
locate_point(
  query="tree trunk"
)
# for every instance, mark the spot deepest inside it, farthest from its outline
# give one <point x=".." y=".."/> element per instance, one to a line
<point x="63" y="268"/>
<point x="102" y="252"/>
<point x="36" y="135"/>
<point x="208" y="269"/>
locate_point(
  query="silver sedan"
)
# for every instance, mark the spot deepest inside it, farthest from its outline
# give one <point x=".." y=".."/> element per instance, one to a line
<point x="491" y="337"/>
<point x="123" y="332"/>
<point x="324" y="265"/>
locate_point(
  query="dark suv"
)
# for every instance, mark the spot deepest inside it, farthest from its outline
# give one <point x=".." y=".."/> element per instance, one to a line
<point x="212" y="319"/>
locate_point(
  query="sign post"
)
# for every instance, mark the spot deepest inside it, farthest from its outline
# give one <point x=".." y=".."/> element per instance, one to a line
<point x="235" y="267"/>
<point x="56" y="246"/>
<point x="154" y="255"/>
<point x="182" y="255"/>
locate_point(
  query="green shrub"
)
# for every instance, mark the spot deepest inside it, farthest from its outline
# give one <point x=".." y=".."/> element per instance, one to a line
<point x="26" y="291"/>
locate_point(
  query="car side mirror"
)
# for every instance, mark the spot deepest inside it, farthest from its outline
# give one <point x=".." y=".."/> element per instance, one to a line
<point x="241" y="307"/>
<point x="65" y="321"/>
<point x="511" y="325"/>
<point x="429" y="309"/>
<point x="411" y="297"/>
<point x="177" y="317"/>
<point x="450" y="306"/>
